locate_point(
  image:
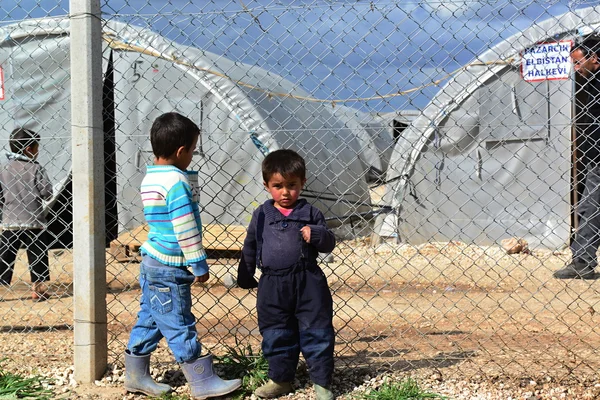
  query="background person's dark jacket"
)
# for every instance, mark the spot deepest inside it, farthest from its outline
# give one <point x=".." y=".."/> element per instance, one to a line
<point x="589" y="124"/>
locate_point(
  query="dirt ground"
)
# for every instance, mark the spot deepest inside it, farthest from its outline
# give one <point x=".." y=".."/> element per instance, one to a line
<point x="463" y="312"/>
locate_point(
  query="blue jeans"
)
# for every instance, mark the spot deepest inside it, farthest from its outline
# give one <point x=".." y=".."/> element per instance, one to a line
<point x="165" y="311"/>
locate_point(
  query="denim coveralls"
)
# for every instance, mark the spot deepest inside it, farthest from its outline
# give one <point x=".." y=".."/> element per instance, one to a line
<point x="294" y="304"/>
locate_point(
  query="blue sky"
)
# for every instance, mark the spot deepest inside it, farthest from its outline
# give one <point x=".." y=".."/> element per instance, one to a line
<point x="333" y="49"/>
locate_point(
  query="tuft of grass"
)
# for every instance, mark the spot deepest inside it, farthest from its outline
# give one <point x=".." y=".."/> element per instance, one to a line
<point x="242" y="362"/>
<point x="408" y="389"/>
<point x="14" y="386"/>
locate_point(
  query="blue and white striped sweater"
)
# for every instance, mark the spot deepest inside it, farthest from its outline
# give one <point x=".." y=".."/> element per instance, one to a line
<point x="175" y="236"/>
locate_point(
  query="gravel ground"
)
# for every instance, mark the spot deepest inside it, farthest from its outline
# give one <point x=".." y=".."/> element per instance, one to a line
<point x="349" y="383"/>
<point x="501" y="327"/>
<point x="347" y="386"/>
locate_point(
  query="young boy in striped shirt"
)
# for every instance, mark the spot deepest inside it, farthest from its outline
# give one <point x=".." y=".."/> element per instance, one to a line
<point x="174" y="243"/>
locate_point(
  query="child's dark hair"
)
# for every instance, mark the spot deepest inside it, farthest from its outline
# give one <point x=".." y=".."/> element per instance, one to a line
<point x="286" y="162"/>
<point x="21" y="139"/>
<point x="170" y="131"/>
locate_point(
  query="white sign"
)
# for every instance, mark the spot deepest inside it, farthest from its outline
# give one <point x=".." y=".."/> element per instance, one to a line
<point x="547" y="61"/>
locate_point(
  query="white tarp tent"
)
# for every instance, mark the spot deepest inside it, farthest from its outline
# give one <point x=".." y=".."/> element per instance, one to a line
<point x="376" y="133"/>
<point x="385" y="128"/>
<point x="376" y="141"/>
<point x="490" y="157"/>
<point x="244" y="111"/>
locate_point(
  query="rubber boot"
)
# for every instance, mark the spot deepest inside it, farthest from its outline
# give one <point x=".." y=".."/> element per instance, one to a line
<point x="323" y="393"/>
<point x="138" y="378"/>
<point x="575" y="270"/>
<point x="203" y="381"/>
<point x="273" y="389"/>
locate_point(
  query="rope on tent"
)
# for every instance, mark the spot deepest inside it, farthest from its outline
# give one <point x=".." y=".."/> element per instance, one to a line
<point x="120" y="45"/>
<point x="375" y="210"/>
<point x="254" y="17"/>
<point x="319" y="196"/>
<point x="439" y="166"/>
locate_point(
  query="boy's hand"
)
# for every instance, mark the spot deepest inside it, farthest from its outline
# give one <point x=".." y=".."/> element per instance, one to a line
<point x="246" y="282"/>
<point x="245" y="279"/>
<point x="305" y="233"/>
<point x="201" y="279"/>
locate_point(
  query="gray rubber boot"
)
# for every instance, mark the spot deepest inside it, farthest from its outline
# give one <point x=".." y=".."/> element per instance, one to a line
<point x="203" y="381"/>
<point x="138" y="379"/>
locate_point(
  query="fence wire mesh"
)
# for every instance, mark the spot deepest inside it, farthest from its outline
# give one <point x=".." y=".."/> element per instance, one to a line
<point x="442" y="144"/>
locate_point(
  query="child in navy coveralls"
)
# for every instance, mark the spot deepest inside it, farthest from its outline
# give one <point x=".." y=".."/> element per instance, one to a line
<point x="294" y="304"/>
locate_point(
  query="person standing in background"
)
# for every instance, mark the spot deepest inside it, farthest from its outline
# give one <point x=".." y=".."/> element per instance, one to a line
<point x="587" y="237"/>
<point x="24" y="184"/>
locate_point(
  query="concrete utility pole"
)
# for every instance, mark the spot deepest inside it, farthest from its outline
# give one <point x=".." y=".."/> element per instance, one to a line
<point x="89" y="259"/>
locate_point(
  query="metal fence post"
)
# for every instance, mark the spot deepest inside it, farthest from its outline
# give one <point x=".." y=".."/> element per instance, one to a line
<point x="89" y="268"/>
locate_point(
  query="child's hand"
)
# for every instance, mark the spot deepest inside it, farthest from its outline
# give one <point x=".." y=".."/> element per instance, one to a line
<point x="201" y="279"/>
<point x="305" y="233"/>
<point x="245" y="279"/>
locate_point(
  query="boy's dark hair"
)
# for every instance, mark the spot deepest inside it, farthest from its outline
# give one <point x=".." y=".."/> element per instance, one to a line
<point x="22" y="138"/>
<point x="588" y="46"/>
<point x="170" y="131"/>
<point x="286" y="162"/>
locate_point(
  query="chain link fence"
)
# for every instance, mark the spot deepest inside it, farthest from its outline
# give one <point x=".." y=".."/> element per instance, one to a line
<point x="440" y="139"/>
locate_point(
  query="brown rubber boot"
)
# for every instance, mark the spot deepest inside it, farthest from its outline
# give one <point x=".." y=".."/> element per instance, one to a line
<point x="273" y="389"/>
